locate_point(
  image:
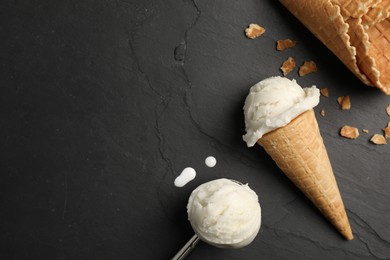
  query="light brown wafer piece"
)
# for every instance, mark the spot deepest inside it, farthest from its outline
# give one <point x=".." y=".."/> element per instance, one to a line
<point x="349" y="132"/>
<point x="378" y="139"/>
<point x="322" y="112"/>
<point x="324" y="92"/>
<point x="281" y="45"/>
<point x="307" y="67"/>
<point x="344" y="102"/>
<point x="254" y="30"/>
<point x="288" y="65"/>
<point x="386" y="130"/>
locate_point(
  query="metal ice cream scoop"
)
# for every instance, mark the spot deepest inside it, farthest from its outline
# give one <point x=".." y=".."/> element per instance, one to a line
<point x="190" y="245"/>
<point x="187" y="248"/>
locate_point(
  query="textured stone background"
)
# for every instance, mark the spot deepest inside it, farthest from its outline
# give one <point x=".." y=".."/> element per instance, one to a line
<point x="105" y="102"/>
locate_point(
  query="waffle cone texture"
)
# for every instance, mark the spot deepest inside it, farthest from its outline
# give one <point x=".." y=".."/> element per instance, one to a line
<point x="356" y="31"/>
<point x="299" y="151"/>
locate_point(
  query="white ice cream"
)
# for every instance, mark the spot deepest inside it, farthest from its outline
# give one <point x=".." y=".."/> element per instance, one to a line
<point x="273" y="103"/>
<point x="224" y="213"/>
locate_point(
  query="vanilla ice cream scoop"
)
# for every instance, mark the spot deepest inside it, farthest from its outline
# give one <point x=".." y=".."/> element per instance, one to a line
<point x="224" y="213"/>
<point x="273" y="103"/>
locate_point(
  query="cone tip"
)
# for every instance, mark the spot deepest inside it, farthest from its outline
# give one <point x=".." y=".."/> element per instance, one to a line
<point x="348" y="233"/>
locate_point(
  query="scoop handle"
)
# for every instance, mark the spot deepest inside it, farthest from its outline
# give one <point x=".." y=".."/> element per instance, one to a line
<point x="187" y="248"/>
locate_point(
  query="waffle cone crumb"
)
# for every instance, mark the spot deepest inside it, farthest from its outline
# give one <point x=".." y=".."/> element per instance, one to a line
<point x="322" y="112"/>
<point x="324" y="92"/>
<point x="254" y="30"/>
<point x="344" y="102"/>
<point x="386" y="130"/>
<point x="378" y="139"/>
<point x="307" y="68"/>
<point x="349" y="132"/>
<point x="281" y="45"/>
<point x="288" y="66"/>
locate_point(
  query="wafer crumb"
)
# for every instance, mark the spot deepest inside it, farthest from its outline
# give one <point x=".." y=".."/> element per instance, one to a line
<point x="365" y="131"/>
<point x="388" y="109"/>
<point x="322" y="112"/>
<point x="386" y="130"/>
<point x="307" y="67"/>
<point x="285" y="44"/>
<point x="378" y="139"/>
<point x="288" y="66"/>
<point x="344" y="102"/>
<point x="349" y="132"/>
<point x="324" y="92"/>
<point x="254" y="30"/>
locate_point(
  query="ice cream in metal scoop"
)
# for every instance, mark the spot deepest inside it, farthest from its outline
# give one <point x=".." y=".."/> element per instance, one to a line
<point x="223" y="213"/>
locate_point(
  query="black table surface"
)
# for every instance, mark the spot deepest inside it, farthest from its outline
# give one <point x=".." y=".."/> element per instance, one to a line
<point x="104" y="103"/>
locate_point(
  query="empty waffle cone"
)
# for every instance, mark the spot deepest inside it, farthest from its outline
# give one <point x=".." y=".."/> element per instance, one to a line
<point x="325" y="21"/>
<point x="355" y="8"/>
<point x="299" y="151"/>
<point x="379" y="52"/>
<point x="376" y="13"/>
<point x="356" y="31"/>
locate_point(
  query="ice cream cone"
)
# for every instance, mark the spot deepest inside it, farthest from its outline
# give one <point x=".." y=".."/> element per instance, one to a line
<point x="299" y="151"/>
<point x="356" y="31"/>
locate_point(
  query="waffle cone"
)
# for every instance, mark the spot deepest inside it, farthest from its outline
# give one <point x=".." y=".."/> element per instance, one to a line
<point x="356" y="31"/>
<point x="299" y="151"/>
<point x="354" y="8"/>
<point x="376" y="13"/>
<point x="379" y="49"/>
<point x="325" y="21"/>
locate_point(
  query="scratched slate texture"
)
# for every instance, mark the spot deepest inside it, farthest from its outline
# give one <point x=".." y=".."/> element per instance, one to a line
<point x="104" y="103"/>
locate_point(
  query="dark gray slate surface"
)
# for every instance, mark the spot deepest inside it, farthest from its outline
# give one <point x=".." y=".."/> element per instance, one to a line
<point x="104" y="103"/>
